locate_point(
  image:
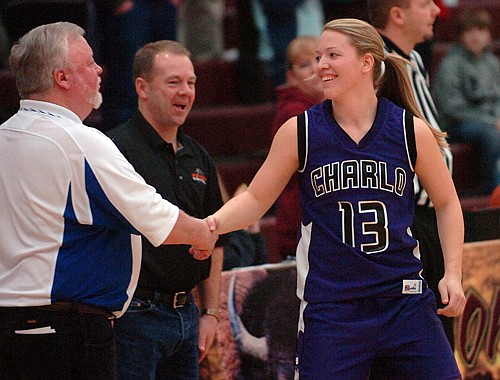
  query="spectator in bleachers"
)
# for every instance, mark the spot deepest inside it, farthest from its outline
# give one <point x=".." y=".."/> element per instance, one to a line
<point x="201" y="27"/>
<point x="126" y="26"/>
<point x="403" y="24"/>
<point x="467" y="93"/>
<point x="282" y="22"/>
<point x="251" y="72"/>
<point x="20" y="16"/>
<point x="334" y="9"/>
<point x="302" y="90"/>
<point x="265" y="28"/>
<point x="281" y="27"/>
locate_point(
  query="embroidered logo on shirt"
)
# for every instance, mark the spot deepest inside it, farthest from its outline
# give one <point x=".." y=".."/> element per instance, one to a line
<point x="199" y="176"/>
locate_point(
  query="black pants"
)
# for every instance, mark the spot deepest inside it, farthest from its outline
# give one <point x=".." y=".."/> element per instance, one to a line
<point x="70" y="345"/>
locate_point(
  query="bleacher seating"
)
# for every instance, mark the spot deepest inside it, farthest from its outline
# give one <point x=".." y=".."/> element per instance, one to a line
<point x="238" y="137"/>
<point x="465" y="162"/>
<point x="234" y="172"/>
<point x="482" y="224"/>
<point x="217" y="83"/>
<point x="229" y="131"/>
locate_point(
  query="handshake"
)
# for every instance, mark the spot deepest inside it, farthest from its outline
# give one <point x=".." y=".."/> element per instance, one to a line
<point x="202" y="237"/>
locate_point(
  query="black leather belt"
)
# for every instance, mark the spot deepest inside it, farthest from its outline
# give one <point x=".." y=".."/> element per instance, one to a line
<point x="176" y="300"/>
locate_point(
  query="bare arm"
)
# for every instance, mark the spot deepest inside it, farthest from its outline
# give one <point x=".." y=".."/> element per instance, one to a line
<point x="432" y="172"/>
<point x="189" y="230"/>
<point x="281" y="162"/>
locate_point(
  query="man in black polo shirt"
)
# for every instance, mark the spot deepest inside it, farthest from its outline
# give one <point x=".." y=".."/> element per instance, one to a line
<point x="162" y="335"/>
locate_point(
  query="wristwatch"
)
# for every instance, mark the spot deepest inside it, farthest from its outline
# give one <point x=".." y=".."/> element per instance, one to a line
<point x="215" y="312"/>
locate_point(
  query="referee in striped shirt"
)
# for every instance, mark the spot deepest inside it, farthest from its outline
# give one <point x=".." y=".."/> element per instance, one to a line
<point x="403" y="24"/>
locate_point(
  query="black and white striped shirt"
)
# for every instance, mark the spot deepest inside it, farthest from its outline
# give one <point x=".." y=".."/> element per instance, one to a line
<point x="419" y="79"/>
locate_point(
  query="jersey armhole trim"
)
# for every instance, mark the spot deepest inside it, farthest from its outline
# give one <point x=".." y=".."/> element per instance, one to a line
<point x="411" y="144"/>
<point x="302" y="140"/>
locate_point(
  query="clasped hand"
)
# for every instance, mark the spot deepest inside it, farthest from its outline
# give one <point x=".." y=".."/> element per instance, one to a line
<point x="203" y="250"/>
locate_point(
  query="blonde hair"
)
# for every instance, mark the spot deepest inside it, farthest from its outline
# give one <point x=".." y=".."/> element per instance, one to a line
<point x="298" y="46"/>
<point x="392" y="83"/>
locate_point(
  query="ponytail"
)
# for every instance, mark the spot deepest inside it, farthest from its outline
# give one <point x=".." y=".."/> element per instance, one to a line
<point x="395" y="85"/>
<point x="390" y="73"/>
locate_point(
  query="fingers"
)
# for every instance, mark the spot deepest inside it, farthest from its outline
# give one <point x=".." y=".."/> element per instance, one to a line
<point x="206" y="336"/>
<point x="453" y="297"/>
<point x="200" y="254"/>
<point x="202" y="344"/>
<point x="202" y="250"/>
<point x="454" y="308"/>
<point x="443" y="291"/>
<point x="213" y="224"/>
<point x="449" y="311"/>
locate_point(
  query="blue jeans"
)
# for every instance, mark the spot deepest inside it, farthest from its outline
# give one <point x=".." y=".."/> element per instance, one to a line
<point x="81" y="346"/>
<point x="487" y="140"/>
<point x="155" y="341"/>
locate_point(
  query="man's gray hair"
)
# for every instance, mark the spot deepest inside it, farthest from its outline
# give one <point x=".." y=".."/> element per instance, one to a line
<point x="38" y="53"/>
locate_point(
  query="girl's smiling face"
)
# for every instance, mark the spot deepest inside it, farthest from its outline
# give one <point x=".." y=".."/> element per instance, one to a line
<point x="339" y="64"/>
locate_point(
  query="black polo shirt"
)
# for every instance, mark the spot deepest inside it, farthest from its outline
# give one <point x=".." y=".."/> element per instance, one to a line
<point x="187" y="179"/>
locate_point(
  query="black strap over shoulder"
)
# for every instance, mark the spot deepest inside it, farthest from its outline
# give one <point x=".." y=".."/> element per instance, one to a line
<point x="410" y="137"/>
<point x="301" y="140"/>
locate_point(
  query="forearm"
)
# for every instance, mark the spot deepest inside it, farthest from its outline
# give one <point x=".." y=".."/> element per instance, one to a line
<point x="451" y="234"/>
<point x="209" y="289"/>
<point x="192" y="231"/>
<point x="239" y="212"/>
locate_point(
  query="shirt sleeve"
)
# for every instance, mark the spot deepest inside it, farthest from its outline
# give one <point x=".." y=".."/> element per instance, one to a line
<point x="128" y="193"/>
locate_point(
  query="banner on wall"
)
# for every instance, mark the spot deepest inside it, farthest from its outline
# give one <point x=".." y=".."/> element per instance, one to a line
<point x="477" y="330"/>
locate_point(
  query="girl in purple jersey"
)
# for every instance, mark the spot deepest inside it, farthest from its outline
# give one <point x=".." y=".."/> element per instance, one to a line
<point x="357" y="262"/>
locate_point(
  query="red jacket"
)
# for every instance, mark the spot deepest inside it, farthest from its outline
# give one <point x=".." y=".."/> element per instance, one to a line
<point x="291" y="102"/>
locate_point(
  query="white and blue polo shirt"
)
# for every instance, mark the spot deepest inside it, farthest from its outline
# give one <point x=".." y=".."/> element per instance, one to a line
<point x="72" y="211"/>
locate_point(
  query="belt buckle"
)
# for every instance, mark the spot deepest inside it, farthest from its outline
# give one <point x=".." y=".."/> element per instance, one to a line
<point x="180" y="300"/>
